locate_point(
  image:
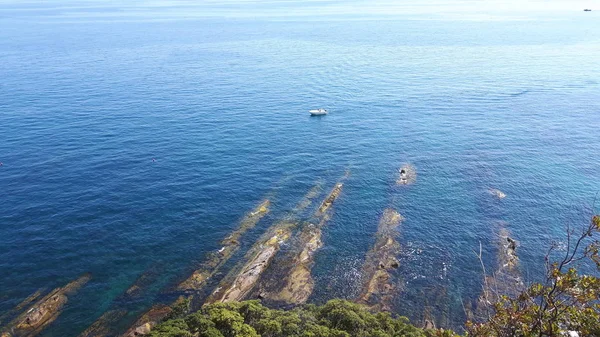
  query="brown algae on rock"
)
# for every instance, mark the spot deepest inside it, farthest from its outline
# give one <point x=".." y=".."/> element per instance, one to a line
<point x="506" y="280"/>
<point x="104" y="325"/>
<point x="148" y="320"/>
<point x="242" y="281"/>
<point x="197" y="280"/>
<point x="19" y="307"/>
<point x="230" y="244"/>
<point x="299" y="284"/>
<point x="45" y="311"/>
<point x="259" y="259"/>
<point x="407" y="175"/>
<point x="381" y="259"/>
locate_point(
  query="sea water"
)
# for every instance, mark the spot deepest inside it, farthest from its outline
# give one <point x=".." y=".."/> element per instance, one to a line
<point x="136" y="136"/>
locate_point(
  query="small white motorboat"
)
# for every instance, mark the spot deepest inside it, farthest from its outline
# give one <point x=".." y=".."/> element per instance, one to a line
<point x="318" y="112"/>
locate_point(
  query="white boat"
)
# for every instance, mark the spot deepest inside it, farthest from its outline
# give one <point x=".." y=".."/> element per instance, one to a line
<point x="318" y="112"/>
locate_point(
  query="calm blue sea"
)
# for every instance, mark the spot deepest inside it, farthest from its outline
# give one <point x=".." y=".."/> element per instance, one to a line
<point x="134" y="138"/>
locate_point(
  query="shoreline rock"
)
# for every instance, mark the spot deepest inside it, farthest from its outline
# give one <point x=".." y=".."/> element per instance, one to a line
<point x="497" y="193"/>
<point x="148" y="320"/>
<point x="104" y="325"/>
<point x="407" y="175"/>
<point x="241" y="281"/>
<point x="506" y="279"/>
<point x="230" y="245"/>
<point x="299" y="283"/>
<point x="197" y="280"/>
<point x="45" y="311"/>
<point x="378" y="291"/>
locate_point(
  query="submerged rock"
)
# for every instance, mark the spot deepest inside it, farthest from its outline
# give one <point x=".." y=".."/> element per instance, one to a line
<point x="497" y="193"/>
<point x="45" y="311"/>
<point x="252" y="270"/>
<point x="197" y="280"/>
<point x="104" y="326"/>
<point x="148" y="320"/>
<point x="230" y="245"/>
<point x="147" y="278"/>
<point x="17" y="309"/>
<point x="506" y="280"/>
<point x="326" y="204"/>
<point x="240" y="281"/>
<point x="407" y="175"/>
<point x="298" y="284"/>
<point x="378" y="290"/>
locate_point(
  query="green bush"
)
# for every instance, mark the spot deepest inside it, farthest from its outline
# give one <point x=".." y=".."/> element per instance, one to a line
<point x="336" y="318"/>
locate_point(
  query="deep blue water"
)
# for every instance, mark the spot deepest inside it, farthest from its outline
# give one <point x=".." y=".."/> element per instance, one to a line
<point x="90" y="95"/>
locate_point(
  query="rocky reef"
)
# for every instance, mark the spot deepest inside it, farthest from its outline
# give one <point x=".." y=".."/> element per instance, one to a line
<point x="230" y="244"/>
<point x="407" y="175"/>
<point x="497" y="193"/>
<point x="17" y="309"/>
<point x="506" y="279"/>
<point x="148" y="320"/>
<point x="378" y="290"/>
<point x="43" y="312"/>
<point x="104" y="325"/>
<point x="200" y="276"/>
<point x="259" y="259"/>
<point x="238" y="284"/>
<point x="298" y="284"/>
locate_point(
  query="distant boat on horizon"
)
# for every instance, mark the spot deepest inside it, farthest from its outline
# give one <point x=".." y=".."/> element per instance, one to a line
<point x="587" y="10"/>
<point x="317" y="112"/>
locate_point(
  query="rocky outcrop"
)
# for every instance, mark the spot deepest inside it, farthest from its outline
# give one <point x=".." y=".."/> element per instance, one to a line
<point x="298" y="284"/>
<point x="230" y="244"/>
<point x="506" y="280"/>
<point x="148" y="320"/>
<point x="378" y="290"/>
<point x="326" y="204"/>
<point x="17" y="309"/>
<point x="261" y="256"/>
<point x="104" y="326"/>
<point x="45" y="311"/>
<point x="497" y="193"/>
<point x="407" y="175"/>
<point x="200" y="276"/>
<point x="240" y="281"/>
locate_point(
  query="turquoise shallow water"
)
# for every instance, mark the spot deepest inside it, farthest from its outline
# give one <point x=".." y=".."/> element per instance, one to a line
<point x="90" y="95"/>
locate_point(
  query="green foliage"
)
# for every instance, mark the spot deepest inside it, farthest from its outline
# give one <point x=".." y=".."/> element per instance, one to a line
<point x="336" y="318"/>
<point x="565" y="301"/>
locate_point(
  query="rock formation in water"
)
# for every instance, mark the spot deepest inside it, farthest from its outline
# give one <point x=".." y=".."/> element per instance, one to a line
<point x="45" y="311"/>
<point x="497" y="193"/>
<point x="298" y="284"/>
<point x="238" y="284"/>
<point x="259" y="259"/>
<point x="199" y="277"/>
<point x="104" y="325"/>
<point x="506" y="280"/>
<point x="17" y="309"/>
<point x="378" y="290"/>
<point x="230" y="245"/>
<point x="148" y="320"/>
<point x="407" y="175"/>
